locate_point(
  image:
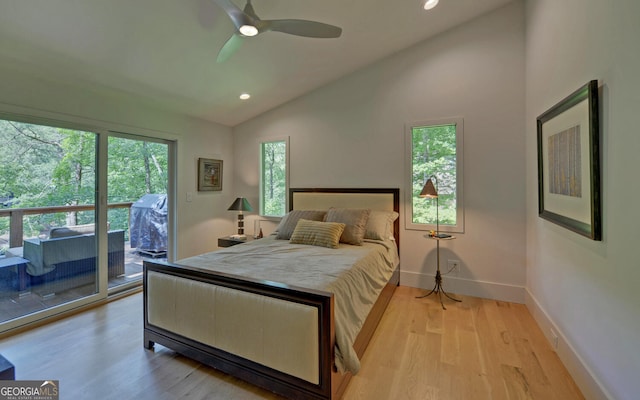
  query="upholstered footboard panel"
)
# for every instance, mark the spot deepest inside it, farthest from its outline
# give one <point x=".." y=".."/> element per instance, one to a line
<point x="285" y="345"/>
<point x="275" y="333"/>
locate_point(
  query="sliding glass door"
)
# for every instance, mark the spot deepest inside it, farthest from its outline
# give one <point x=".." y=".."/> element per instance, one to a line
<point x="79" y="211"/>
<point x="48" y="247"/>
<point x="138" y="206"/>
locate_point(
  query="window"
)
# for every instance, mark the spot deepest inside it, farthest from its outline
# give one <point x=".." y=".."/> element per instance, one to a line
<point x="274" y="177"/>
<point x="434" y="148"/>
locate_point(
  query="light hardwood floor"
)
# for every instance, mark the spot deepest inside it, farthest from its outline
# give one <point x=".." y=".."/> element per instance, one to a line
<point x="477" y="349"/>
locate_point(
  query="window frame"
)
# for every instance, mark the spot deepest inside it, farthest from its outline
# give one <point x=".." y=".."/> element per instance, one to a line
<point x="409" y="224"/>
<point x="261" y="202"/>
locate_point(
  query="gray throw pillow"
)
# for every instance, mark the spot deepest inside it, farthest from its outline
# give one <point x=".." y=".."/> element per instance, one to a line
<point x="289" y="221"/>
<point x="355" y="220"/>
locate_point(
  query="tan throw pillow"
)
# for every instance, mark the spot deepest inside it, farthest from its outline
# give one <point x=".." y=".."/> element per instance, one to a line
<point x="316" y="233"/>
<point x="380" y="225"/>
<point x="289" y="221"/>
<point x="355" y="220"/>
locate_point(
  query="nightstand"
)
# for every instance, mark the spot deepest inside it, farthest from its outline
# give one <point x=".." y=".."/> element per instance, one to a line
<point x="228" y="241"/>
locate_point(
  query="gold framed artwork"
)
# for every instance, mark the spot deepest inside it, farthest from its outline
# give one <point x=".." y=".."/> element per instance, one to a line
<point x="209" y="174"/>
<point x="569" y="163"/>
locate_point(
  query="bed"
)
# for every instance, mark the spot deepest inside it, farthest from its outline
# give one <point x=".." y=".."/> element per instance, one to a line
<point x="242" y="311"/>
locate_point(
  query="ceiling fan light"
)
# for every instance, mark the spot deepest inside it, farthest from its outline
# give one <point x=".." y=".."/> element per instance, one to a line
<point x="248" y="30"/>
<point x="429" y="4"/>
<point x="245" y="96"/>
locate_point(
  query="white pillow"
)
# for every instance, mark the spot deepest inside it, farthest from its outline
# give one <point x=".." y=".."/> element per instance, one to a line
<point x="380" y="225"/>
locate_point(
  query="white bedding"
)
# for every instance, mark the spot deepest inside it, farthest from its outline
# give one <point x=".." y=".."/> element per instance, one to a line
<point x="354" y="274"/>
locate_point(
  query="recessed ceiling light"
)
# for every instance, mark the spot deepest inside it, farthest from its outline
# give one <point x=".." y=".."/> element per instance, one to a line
<point x="429" y="4"/>
<point x="245" y="96"/>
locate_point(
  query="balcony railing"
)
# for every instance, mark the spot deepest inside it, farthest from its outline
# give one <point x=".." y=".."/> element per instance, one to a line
<point x="16" y="216"/>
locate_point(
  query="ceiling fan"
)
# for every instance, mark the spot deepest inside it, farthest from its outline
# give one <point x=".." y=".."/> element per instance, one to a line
<point x="248" y="24"/>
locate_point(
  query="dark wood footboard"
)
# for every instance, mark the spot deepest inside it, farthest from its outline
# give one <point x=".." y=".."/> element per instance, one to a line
<point x="331" y="383"/>
<point x="242" y="368"/>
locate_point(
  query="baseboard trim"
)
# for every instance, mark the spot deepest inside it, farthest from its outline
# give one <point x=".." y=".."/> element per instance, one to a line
<point x="582" y="375"/>
<point x="468" y="287"/>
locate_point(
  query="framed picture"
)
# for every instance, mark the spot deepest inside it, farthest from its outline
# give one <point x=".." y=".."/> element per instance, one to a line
<point x="209" y="174"/>
<point x="569" y="163"/>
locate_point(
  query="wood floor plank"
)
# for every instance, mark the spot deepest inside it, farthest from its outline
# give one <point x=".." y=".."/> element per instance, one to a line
<point x="518" y="387"/>
<point x="478" y="349"/>
<point x="489" y="340"/>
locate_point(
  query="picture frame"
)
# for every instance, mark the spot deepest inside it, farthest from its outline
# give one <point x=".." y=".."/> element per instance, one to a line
<point x="569" y="163"/>
<point x="209" y="174"/>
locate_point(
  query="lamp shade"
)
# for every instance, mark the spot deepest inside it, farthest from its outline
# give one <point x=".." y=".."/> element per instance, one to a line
<point x="429" y="190"/>
<point x="240" y="204"/>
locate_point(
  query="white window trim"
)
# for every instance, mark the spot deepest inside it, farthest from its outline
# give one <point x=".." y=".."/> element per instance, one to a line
<point x="408" y="208"/>
<point x="260" y="183"/>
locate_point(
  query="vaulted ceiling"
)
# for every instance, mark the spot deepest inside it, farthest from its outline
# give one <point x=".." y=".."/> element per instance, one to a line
<point x="165" y="50"/>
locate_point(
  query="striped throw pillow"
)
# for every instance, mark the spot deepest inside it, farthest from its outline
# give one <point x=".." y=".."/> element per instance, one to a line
<point x="315" y="233"/>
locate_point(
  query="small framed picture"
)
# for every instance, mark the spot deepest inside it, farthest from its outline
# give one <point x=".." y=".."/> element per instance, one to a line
<point x="569" y="163"/>
<point x="209" y="174"/>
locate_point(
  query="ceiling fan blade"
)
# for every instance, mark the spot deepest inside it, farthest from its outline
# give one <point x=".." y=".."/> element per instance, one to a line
<point x="248" y="9"/>
<point x="230" y="47"/>
<point x="300" y="27"/>
<point x="237" y="16"/>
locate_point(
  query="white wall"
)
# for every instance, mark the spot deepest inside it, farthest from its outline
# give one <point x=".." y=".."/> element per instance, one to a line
<point x="588" y="291"/>
<point x="351" y="134"/>
<point x="200" y="222"/>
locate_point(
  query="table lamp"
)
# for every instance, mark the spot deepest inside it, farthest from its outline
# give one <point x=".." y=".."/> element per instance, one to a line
<point x="240" y="204"/>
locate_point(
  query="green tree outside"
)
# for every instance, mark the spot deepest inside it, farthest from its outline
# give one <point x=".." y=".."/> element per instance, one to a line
<point x="44" y="166"/>
<point x="434" y="154"/>
<point x="274" y="178"/>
